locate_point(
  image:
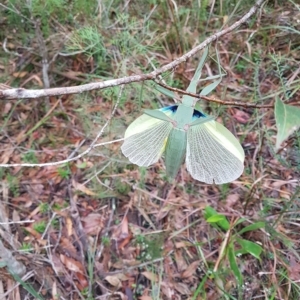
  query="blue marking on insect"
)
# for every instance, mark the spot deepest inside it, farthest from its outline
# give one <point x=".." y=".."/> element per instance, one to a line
<point x="197" y="115"/>
<point x="172" y="108"/>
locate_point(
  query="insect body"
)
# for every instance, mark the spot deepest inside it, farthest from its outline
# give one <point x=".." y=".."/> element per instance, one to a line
<point x="212" y="153"/>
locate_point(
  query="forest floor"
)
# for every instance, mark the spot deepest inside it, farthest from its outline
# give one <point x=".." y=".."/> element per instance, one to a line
<point x="100" y="227"/>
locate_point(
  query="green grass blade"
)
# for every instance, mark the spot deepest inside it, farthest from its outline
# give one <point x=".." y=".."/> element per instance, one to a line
<point x="252" y="227"/>
<point x="27" y="287"/>
<point x="233" y="265"/>
<point x="200" y="288"/>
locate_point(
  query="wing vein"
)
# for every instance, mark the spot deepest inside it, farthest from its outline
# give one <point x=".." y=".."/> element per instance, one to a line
<point x="208" y="160"/>
<point x="145" y="148"/>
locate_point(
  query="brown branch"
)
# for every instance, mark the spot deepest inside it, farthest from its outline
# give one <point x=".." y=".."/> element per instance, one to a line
<point x="24" y="93"/>
<point x="197" y="96"/>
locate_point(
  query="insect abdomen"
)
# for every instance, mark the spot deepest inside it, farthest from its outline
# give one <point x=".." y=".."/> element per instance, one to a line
<point x="175" y="151"/>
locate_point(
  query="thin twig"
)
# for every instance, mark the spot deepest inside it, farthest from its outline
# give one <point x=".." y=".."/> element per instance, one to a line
<point x="17" y="222"/>
<point x="197" y="96"/>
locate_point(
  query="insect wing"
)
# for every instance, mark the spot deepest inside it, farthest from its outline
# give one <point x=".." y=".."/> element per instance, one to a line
<point x="213" y="153"/>
<point x="145" y="140"/>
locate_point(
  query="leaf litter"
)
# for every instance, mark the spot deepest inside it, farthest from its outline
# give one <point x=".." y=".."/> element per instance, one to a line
<point x="151" y="239"/>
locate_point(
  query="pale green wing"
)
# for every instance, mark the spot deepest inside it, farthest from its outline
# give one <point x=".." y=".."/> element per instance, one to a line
<point x="145" y="140"/>
<point x="213" y="153"/>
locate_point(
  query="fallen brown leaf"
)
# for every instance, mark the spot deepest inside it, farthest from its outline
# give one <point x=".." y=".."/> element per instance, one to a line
<point x="82" y="188"/>
<point x="182" y="288"/>
<point x="114" y="281"/>
<point x="150" y="275"/>
<point x="180" y="261"/>
<point x="232" y="199"/>
<point x="72" y="264"/>
<point x="92" y="223"/>
<point x="190" y="271"/>
<point x="241" y="116"/>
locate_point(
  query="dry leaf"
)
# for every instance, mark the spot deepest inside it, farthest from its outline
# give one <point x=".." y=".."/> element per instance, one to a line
<point x="15" y="216"/>
<point x="7" y="108"/>
<point x="294" y="269"/>
<point x="19" y="74"/>
<point x="54" y="291"/>
<point x="180" y="261"/>
<point x="6" y="156"/>
<point x="56" y="262"/>
<point x="82" y="282"/>
<point x="167" y="290"/>
<point x="68" y="247"/>
<point x="82" y="188"/>
<point x="183" y="244"/>
<point x="92" y="223"/>
<point x="114" y="281"/>
<point x="278" y="183"/>
<point x="122" y="231"/>
<point x="190" y="271"/>
<point x="150" y="275"/>
<point x="34" y="212"/>
<point x="182" y="288"/>
<point x="124" y="242"/>
<point x="241" y="116"/>
<point x="69" y="226"/>
<point x="232" y="199"/>
<point x="71" y="264"/>
<point x="36" y="234"/>
<point x="122" y="276"/>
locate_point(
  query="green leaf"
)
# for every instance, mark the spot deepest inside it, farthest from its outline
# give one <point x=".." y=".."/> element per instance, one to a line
<point x="233" y="265"/>
<point x="287" y="120"/>
<point x="215" y="219"/>
<point x="239" y="221"/>
<point x="210" y="212"/>
<point x="250" y="247"/>
<point x="252" y="227"/>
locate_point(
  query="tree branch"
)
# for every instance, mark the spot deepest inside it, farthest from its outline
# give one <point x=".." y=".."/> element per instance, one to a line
<point x="24" y="93"/>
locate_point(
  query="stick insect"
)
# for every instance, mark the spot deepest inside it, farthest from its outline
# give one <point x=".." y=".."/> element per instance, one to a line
<point x="212" y="153"/>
